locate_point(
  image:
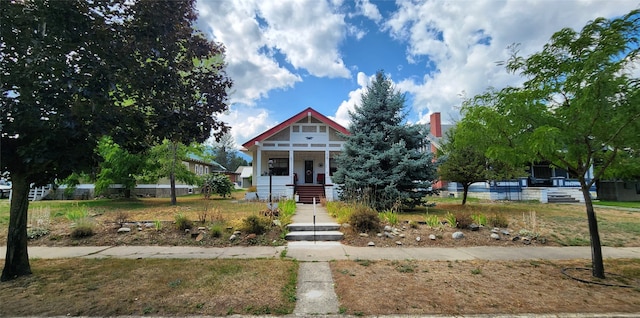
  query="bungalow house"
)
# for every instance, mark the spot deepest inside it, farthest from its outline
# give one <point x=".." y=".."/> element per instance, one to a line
<point x="245" y="173"/>
<point x="544" y="183"/>
<point x="296" y="157"/>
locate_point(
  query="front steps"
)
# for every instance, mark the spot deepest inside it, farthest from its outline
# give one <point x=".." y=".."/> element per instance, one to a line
<point x="561" y="198"/>
<point x="309" y="232"/>
<point x="307" y="193"/>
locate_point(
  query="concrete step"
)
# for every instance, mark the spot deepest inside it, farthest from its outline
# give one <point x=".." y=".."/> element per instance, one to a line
<point x="299" y="227"/>
<point x="319" y="236"/>
<point x="561" y="198"/>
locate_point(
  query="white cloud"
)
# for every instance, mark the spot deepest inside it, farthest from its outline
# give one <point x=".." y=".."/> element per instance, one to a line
<point x="464" y="39"/>
<point x="369" y="10"/>
<point x="247" y="123"/>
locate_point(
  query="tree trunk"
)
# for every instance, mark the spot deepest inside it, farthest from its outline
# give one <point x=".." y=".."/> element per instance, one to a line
<point x="172" y="174"/>
<point x="596" y="246"/>
<point x="465" y="191"/>
<point x="17" y="258"/>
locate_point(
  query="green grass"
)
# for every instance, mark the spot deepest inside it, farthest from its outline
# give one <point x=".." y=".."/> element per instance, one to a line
<point x="632" y="204"/>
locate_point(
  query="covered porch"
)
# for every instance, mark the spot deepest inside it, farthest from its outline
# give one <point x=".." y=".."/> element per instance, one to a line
<point x="306" y="173"/>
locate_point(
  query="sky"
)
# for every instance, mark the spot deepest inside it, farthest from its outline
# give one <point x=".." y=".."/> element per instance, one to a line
<point x="286" y="55"/>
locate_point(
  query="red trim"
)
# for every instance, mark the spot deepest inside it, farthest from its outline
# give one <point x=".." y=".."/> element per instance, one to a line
<point x="293" y="120"/>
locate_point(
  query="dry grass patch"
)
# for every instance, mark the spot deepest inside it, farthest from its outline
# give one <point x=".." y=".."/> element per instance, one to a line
<point x="114" y="287"/>
<point x="478" y="287"/>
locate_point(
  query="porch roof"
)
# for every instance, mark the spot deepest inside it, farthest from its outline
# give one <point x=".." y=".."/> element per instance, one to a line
<point x="303" y="114"/>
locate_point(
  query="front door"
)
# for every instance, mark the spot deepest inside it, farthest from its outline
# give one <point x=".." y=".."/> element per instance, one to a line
<point x="308" y="171"/>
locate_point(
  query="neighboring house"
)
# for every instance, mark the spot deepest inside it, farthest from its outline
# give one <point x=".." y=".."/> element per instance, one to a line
<point x="244" y="177"/>
<point x="301" y="151"/>
<point x="619" y="190"/>
<point x="161" y="189"/>
<point x="545" y="182"/>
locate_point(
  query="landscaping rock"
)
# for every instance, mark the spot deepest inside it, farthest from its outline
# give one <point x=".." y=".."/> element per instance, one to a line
<point x="401" y="235"/>
<point x="432" y="237"/>
<point x="233" y="237"/>
<point x="474" y="227"/>
<point x="389" y="234"/>
<point x="371" y="244"/>
<point x="200" y="237"/>
<point x="250" y="236"/>
<point x="387" y="228"/>
<point x="124" y="230"/>
<point x="398" y="243"/>
<point x="202" y="228"/>
<point x="495" y="230"/>
<point x="505" y="232"/>
<point x="379" y="235"/>
<point x="149" y="225"/>
<point x="364" y="235"/>
<point x="457" y="235"/>
<point x="516" y="238"/>
<point x="495" y="236"/>
<point x="418" y="239"/>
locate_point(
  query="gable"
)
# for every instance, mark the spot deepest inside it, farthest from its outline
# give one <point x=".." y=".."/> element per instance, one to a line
<point x="307" y="121"/>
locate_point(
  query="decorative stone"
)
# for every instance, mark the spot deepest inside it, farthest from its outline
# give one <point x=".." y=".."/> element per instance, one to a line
<point x="474" y="227"/>
<point x="345" y="225"/>
<point x="387" y="228"/>
<point x="495" y="230"/>
<point x="139" y="229"/>
<point x="526" y="240"/>
<point x="233" y="237"/>
<point x="371" y="244"/>
<point x="124" y="230"/>
<point x="505" y="232"/>
<point x="457" y="235"/>
<point x="495" y="236"/>
<point x="389" y="235"/>
<point x="432" y="237"/>
<point x="418" y="239"/>
<point x="364" y="235"/>
<point x="200" y="237"/>
<point x="398" y="243"/>
<point x="149" y="225"/>
<point x="379" y="235"/>
<point x="401" y="235"/>
<point x="202" y="228"/>
<point x="250" y="236"/>
<point x="516" y="238"/>
<point x="236" y="233"/>
<point x="187" y="231"/>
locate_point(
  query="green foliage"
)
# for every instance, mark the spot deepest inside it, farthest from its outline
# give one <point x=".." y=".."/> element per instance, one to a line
<point x="225" y="154"/>
<point x="382" y="158"/>
<point x="451" y="219"/>
<point x="389" y="217"/>
<point x="339" y="210"/>
<point x="216" y="183"/>
<point x="256" y="224"/>
<point x="182" y="222"/>
<point x="217" y="230"/>
<point x="84" y="228"/>
<point x="432" y="221"/>
<point x="118" y="166"/>
<point x="76" y="213"/>
<point x="498" y="220"/>
<point x="479" y="218"/>
<point x="364" y="219"/>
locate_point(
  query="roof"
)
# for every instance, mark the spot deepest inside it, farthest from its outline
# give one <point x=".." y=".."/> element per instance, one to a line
<point x="196" y="158"/>
<point x="305" y="113"/>
<point x="245" y="171"/>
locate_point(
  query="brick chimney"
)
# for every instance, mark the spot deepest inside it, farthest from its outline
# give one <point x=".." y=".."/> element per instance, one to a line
<point x="436" y="126"/>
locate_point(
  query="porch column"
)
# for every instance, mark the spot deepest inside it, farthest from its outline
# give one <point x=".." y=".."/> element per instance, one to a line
<point x="291" y="165"/>
<point x="258" y="165"/>
<point x="326" y="167"/>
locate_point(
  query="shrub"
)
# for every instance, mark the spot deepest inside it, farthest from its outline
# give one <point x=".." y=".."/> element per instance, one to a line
<point x="83" y="228"/>
<point x="217" y="230"/>
<point x="451" y="219"/>
<point x="413" y="224"/>
<point x="216" y="183"/>
<point x="339" y="210"/>
<point x="182" y="222"/>
<point x="77" y="213"/>
<point x="498" y="220"/>
<point x="433" y="221"/>
<point x="256" y="224"/>
<point x="463" y="220"/>
<point x="364" y="219"/>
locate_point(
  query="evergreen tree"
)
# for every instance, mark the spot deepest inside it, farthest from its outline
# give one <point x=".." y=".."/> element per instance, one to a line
<point x="382" y="161"/>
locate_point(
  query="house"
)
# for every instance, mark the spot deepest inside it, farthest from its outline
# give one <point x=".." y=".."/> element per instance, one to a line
<point x="544" y="183"/>
<point x="245" y="174"/>
<point x="296" y="157"/>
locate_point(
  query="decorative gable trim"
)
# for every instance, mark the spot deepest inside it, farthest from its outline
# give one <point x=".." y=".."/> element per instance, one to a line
<point x="305" y="114"/>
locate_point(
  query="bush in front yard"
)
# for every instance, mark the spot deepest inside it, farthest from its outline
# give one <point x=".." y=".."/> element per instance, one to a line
<point x="256" y="224"/>
<point x="364" y="219"/>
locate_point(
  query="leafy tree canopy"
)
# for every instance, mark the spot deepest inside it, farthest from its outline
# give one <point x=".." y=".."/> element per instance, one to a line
<point x="382" y="159"/>
<point x="580" y="97"/>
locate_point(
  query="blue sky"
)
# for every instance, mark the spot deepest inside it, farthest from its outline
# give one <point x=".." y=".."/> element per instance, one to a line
<point x="286" y="55"/>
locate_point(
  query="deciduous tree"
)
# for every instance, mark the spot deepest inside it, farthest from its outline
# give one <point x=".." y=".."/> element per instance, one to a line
<point x="580" y="97"/>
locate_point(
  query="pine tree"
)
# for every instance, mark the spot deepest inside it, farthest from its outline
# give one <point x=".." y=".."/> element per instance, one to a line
<point x="382" y="161"/>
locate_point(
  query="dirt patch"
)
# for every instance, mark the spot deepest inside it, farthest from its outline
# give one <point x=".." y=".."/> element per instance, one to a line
<point x="477" y="287"/>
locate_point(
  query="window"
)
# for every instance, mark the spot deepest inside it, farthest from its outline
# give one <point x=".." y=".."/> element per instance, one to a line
<point x="280" y="166"/>
<point x="310" y="129"/>
<point x="295" y="128"/>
